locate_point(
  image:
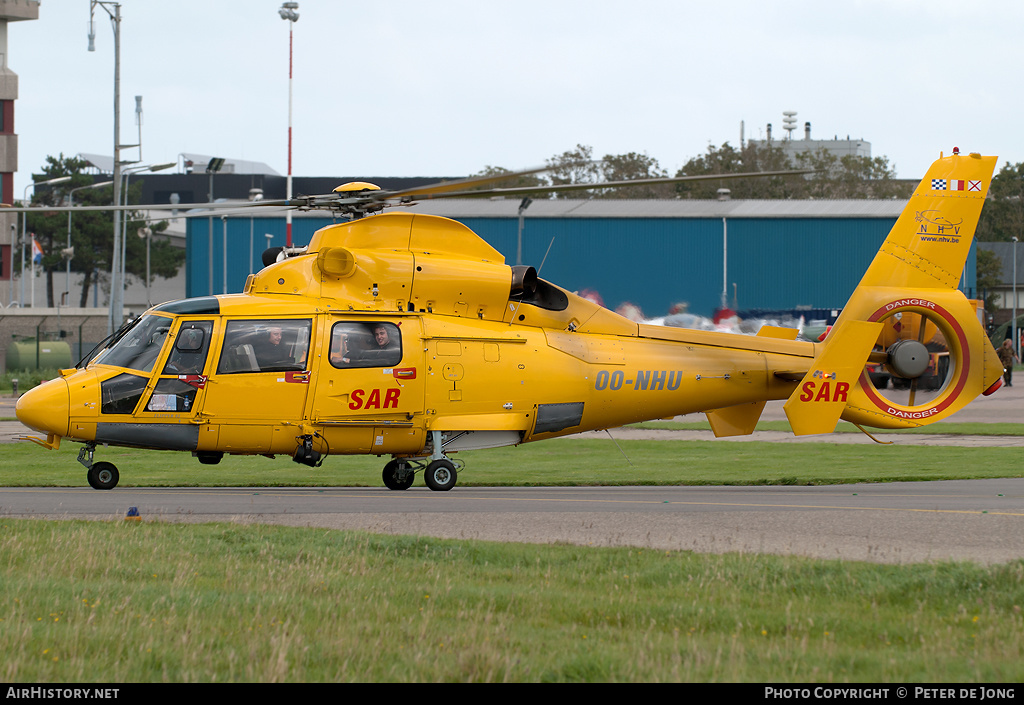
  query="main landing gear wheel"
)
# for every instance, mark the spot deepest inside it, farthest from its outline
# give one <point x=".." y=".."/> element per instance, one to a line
<point x="440" y="475"/>
<point x="103" y="476"/>
<point x="398" y="475"/>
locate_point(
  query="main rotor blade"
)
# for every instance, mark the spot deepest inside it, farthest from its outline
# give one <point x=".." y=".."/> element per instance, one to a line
<point x="368" y="201"/>
<point x="227" y="205"/>
<point x="522" y="190"/>
<point x="460" y="184"/>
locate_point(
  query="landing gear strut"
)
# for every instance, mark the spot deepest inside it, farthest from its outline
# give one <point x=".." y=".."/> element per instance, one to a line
<point x="440" y="474"/>
<point x="102" y="475"/>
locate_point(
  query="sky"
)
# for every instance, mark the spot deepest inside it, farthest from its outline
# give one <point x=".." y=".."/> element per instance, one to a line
<point x="449" y="87"/>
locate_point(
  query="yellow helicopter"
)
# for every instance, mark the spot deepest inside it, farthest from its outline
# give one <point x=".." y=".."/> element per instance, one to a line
<point x="407" y="336"/>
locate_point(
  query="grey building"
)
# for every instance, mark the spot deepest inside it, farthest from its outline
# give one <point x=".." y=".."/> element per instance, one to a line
<point x="10" y="11"/>
<point x="792" y="146"/>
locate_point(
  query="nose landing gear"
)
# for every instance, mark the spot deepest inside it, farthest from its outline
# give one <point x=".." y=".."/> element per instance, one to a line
<point x="102" y="475"/>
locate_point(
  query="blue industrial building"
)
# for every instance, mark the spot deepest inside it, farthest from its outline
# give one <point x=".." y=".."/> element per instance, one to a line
<point x="767" y="255"/>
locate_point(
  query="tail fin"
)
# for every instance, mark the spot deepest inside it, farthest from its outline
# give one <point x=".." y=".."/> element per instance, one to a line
<point x="930" y="351"/>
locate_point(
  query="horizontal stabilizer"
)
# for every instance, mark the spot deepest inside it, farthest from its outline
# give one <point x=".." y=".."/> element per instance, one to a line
<point x="790" y="375"/>
<point x="819" y="399"/>
<point x="778" y="332"/>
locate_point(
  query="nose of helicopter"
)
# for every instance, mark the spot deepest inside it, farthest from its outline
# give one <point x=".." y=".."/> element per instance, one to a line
<point x="46" y="408"/>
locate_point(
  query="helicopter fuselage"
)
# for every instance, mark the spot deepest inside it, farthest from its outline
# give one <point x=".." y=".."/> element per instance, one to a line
<point x="495" y="383"/>
<point x="408" y="335"/>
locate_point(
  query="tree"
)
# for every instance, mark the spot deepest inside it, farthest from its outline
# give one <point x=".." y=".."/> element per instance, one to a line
<point x="513" y="182"/>
<point x="92" y="231"/>
<point x="1002" y="218"/>
<point x="835" y="176"/>
<point x="989" y="269"/>
<point x="50" y="230"/>
<point x="575" y="166"/>
<point x="631" y="167"/>
<point x="848" y="176"/>
<point x="729" y="160"/>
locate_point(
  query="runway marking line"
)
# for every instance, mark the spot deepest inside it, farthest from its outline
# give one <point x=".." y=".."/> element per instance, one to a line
<point x="398" y="496"/>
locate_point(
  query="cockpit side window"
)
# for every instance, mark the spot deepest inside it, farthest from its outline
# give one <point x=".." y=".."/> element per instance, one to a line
<point x="140" y="347"/>
<point x="273" y="345"/>
<point x="370" y="344"/>
<point x="188" y="356"/>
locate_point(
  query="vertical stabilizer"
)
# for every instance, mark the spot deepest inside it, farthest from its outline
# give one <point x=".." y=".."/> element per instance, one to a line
<point x="929" y="244"/>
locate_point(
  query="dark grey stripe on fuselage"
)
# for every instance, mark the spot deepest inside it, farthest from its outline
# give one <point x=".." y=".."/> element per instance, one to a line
<point x="149" y="435"/>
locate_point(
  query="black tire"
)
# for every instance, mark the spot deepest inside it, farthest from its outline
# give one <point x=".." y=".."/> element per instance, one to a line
<point x="440" y="475"/>
<point x="209" y="457"/>
<point x="103" y="476"/>
<point x="398" y="475"/>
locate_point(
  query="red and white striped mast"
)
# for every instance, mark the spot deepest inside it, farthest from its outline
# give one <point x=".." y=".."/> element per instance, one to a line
<point x="289" y="11"/>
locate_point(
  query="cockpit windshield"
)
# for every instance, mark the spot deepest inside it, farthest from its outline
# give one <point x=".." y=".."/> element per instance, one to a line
<point x="140" y="347"/>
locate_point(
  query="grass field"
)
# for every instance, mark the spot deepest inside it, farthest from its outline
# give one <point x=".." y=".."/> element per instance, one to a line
<point x="158" y="602"/>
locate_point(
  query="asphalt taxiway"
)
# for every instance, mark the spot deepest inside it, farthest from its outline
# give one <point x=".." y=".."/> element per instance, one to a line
<point x="973" y="520"/>
<point x="902" y="522"/>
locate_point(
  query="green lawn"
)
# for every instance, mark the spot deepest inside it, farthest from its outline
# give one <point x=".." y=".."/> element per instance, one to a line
<point x="571" y="461"/>
<point x="154" y="602"/>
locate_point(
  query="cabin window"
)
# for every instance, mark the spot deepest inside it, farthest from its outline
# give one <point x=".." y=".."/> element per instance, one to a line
<point x="358" y="344"/>
<point x="140" y="347"/>
<point x="265" y="346"/>
<point x="121" y="394"/>
<point x="172" y="394"/>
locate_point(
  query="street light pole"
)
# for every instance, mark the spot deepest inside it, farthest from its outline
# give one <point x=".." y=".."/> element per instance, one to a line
<point x="68" y="252"/>
<point x="289" y="12"/>
<point x="1013" y="323"/>
<point x="24" y="225"/>
<point x="212" y="167"/>
<point x="523" y="205"/>
<point x="224" y="259"/>
<point x="128" y="171"/>
<point x="10" y="264"/>
<point x="116" y="284"/>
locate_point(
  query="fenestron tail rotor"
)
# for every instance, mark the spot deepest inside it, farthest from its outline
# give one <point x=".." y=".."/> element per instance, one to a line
<point x="913" y="349"/>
